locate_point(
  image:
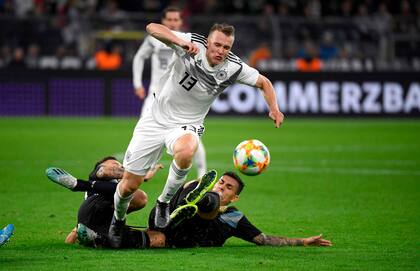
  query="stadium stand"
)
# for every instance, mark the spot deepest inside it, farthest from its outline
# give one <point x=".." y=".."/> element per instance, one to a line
<point x="362" y="35"/>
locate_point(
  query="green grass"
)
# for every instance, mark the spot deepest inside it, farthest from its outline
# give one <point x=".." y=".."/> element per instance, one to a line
<point x="357" y="181"/>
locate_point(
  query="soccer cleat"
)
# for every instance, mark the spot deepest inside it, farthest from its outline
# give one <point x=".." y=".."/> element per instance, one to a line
<point x="6" y="233"/>
<point x="162" y="217"/>
<point x="115" y="232"/>
<point x="182" y="213"/>
<point x="61" y="177"/>
<point x="85" y="235"/>
<point x="206" y="184"/>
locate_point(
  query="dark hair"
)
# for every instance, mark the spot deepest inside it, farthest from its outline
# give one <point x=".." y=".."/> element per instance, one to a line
<point x="106" y="158"/>
<point x="170" y="9"/>
<point x="225" y="28"/>
<point x="92" y="174"/>
<point x="235" y="176"/>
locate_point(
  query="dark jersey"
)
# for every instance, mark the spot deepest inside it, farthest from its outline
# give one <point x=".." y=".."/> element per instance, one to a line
<point x="198" y="232"/>
<point x="96" y="210"/>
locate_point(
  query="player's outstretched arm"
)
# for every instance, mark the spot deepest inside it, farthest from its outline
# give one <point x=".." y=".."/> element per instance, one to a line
<point x="110" y="171"/>
<point x="268" y="240"/>
<point x="165" y="35"/>
<point x="265" y="85"/>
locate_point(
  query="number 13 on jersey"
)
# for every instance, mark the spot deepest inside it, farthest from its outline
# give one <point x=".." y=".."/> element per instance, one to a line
<point x="188" y="82"/>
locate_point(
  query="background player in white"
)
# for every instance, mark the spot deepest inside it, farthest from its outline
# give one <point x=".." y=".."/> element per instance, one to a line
<point x="200" y="70"/>
<point x="161" y="56"/>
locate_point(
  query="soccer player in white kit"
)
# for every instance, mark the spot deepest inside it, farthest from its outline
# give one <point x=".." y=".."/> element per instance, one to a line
<point x="200" y="70"/>
<point x="161" y="56"/>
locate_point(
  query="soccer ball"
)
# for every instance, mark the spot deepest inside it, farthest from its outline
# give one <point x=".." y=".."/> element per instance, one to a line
<point x="251" y="157"/>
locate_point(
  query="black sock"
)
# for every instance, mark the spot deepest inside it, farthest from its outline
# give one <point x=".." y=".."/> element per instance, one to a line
<point x="82" y="185"/>
<point x="209" y="203"/>
<point x="105" y="188"/>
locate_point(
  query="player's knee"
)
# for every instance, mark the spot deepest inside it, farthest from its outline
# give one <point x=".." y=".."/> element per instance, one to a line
<point x="129" y="187"/>
<point x="184" y="158"/>
<point x="185" y="148"/>
<point x="139" y="201"/>
<point x="130" y="183"/>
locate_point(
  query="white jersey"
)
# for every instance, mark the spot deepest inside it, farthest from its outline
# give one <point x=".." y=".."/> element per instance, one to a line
<point x="161" y="56"/>
<point x="190" y="85"/>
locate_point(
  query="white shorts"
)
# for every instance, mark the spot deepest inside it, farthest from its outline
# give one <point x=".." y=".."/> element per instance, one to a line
<point x="147" y="104"/>
<point x="149" y="139"/>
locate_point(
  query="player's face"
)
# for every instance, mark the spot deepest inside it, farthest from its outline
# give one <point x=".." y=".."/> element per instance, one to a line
<point x="172" y="20"/>
<point x="218" y="47"/>
<point x="112" y="164"/>
<point x="227" y="188"/>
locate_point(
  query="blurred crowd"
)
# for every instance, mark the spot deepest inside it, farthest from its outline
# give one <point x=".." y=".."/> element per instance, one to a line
<point x="305" y="8"/>
<point x="302" y="35"/>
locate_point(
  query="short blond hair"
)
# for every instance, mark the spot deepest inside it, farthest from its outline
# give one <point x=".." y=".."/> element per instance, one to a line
<point x="225" y="28"/>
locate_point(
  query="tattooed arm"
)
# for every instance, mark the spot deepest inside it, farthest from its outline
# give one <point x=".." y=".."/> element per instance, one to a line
<point x="269" y="240"/>
<point x="115" y="171"/>
<point x="110" y="171"/>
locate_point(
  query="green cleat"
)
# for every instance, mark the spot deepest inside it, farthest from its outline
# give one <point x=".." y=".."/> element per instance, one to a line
<point x="182" y="213"/>
<point x="206" y="183"/>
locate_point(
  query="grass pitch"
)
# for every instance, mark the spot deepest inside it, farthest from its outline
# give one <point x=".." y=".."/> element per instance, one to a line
<point x="357" y="181"/>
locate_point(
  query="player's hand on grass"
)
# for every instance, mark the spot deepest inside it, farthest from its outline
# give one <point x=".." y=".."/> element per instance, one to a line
<point x="277" y="117"/>
<point x="153" y="171"/>
<point x="140" y="92"/>
<point x="71" y="237"/>
<point x="316" y="241"/>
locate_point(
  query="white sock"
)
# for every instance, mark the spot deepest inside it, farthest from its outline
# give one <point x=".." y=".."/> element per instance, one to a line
<point x="176" y="178"/>
<point x="121" y="204"/>
<point x="200" y="160"/>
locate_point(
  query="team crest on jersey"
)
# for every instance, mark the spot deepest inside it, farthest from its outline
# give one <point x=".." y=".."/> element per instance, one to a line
<point x="221" y="75"/>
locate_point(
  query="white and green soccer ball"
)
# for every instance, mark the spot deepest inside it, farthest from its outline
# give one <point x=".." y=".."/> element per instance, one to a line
<point x="251" y="157"/>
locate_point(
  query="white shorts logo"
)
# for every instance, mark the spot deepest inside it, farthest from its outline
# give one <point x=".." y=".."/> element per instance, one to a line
<point x="127" y="156"/>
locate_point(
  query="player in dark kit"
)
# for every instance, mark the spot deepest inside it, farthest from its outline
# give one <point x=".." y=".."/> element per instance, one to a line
<point x="97" y="208"/>
<point x="216" y="225"/>
<point x="208" y="222"/>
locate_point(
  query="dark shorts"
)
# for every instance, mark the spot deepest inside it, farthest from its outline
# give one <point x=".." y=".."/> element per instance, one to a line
<point x="96" y="213"/>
